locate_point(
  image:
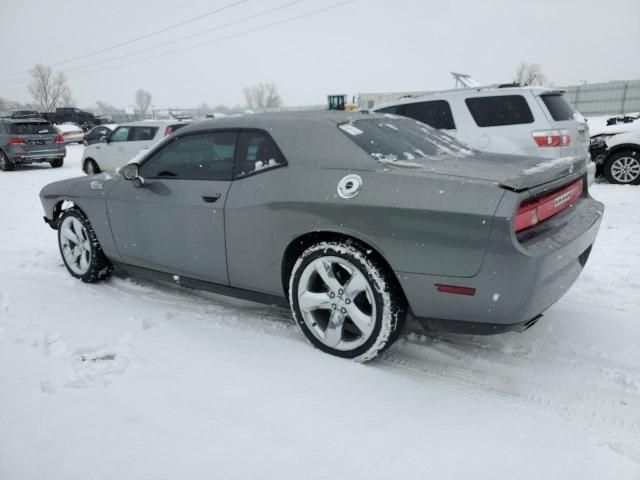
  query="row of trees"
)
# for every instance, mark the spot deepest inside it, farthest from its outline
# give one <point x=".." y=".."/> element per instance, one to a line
<point x="49" y="89"/>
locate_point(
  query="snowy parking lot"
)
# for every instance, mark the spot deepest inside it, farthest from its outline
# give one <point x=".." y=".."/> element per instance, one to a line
<point x="132" y="379"/>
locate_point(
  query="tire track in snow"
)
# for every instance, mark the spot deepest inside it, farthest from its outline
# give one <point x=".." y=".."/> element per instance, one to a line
<point x="587" y="392"/>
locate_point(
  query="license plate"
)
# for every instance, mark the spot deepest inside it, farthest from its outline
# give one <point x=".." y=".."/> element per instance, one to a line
<point x="40" y="142"/>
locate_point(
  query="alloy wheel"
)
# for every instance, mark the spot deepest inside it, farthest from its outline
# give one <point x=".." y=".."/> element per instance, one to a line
<point x="625" y="169"/>
<point x="337" y="303"/>
<point x="75" y="245"/>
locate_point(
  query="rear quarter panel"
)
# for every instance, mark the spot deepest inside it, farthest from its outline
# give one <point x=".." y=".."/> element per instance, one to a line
<point x="509" y="139"/>
<point x="437" y="225"/>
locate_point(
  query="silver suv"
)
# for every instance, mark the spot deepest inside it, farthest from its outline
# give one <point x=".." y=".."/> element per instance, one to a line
<point x="30" y="141"/>
<point x="532" y="121"/>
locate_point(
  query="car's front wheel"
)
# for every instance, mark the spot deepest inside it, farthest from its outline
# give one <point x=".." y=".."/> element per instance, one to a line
<point x="6" y="165"/>
<point x="80" y="249"/>
<point x="623" y="167"/>
<point x="344" y="301"/>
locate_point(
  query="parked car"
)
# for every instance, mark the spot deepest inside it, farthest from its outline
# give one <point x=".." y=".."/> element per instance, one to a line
<point x="99" y="134"/>
<point x="124" y="143"/>
<point x="353" y="220"/>
<point x="618" y="156"/>
<point x="18" y="114"/>
<point x="85" y="120"/>
<point x="71" y="133"/>
<point x="29" y="141"/>
<point x="532" y="121"/>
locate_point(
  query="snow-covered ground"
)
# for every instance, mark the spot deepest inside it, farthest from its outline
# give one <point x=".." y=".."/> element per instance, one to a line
<point x="137" y="380"/>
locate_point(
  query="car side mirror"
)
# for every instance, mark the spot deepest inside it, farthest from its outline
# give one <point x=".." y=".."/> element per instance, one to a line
<point x="131" y="172"/>
<point x="104" y="139"/>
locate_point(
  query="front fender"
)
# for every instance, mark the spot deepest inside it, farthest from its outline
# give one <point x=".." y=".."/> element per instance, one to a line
<point x="88" y="194"/>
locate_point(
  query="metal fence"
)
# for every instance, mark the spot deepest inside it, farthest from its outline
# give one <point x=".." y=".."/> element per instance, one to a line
<point x="609" y="98"/>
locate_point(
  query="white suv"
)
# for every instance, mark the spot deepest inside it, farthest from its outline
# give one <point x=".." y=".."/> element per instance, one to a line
<point x="124" y="143"/>
<point x="504" y="119"/>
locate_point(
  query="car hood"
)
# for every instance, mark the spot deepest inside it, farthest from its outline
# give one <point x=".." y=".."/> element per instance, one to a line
<point x="514" y="172"/>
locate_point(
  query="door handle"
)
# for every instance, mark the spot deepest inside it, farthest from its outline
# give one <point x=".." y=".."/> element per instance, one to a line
<point x="211" y="198"/>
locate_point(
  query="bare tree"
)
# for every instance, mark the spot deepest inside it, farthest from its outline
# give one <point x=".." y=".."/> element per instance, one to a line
<point x="105" y="108"/>
<point x="47" y="87"/>
<point x="66" y="99"/>
<point x="530" y="74"/>
<point x="143" y="101"/>
<point x="261" y="96"/>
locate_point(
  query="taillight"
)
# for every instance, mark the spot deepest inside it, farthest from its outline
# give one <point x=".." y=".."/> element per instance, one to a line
<point x="552" y="138"/>
<point x="168" y="131"/>
<point x="59" y="139"/>
<point x="535" y="211"/>
<point x="17" y="141"/>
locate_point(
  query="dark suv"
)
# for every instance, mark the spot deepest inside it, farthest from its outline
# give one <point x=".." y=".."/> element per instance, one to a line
<point x="30" y="141"/>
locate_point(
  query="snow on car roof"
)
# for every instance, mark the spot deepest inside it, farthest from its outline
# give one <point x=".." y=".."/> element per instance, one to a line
<point x="68" y="127"/>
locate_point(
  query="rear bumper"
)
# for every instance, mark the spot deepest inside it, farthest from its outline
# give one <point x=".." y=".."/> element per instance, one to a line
<point x="43" y="156"/>
<point x="518" y="280"/>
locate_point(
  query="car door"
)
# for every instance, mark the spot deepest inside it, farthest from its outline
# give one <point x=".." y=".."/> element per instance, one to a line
<point x="174" y="222"/>
<point x="109" y="155"/>
<point x="141" y="138"/>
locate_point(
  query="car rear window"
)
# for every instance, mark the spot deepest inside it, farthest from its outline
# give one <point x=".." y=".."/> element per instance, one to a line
<point x="402" y="141"/>
<point x="32" y="128"/>
<point x="499" y="110"/>
<point x="558" y="107"/>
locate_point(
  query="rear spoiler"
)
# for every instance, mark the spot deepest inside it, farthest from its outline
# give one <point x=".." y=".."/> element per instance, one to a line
<point x="557" y="91"/>
<point x="546" y="171"/>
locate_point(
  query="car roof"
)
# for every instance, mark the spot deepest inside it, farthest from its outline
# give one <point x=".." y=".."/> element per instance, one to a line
<point x="153" y="123"/>
<point x="489" y="90"/>
<point x="268" y="121"/>
<point x="27" y="120"/>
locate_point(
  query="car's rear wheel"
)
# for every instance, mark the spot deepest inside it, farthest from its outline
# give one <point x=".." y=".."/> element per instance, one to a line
<point x="80" y="249"/>
<point x="91" y="167"/>
<point x="6" y="165"/>
<point x="57" y="163"/>
<point x="623" y="167"/>
<point x="344" y="301"/>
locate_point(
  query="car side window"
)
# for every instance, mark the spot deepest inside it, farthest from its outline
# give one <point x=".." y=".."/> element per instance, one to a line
<point x="142" y="134"/>
<point x="435" y="113"/>
<point x="120" y="134"/>
<point x="396" y="110"/>
<point x="201" y="156"/>
<point x="499" y="110"/>
<point x="256" y="151"/>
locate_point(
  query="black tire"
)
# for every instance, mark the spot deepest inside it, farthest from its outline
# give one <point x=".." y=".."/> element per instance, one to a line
<point x="390" y="307"/>
<point x="99" y="266"/>
<point x="623" y="167"/>
<point x="57" y="163"/>
<point x="6" y="165"/>
<point x="90" y="167"/>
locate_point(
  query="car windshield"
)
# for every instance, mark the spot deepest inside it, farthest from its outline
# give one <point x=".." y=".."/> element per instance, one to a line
<point x="32" y="128"/>
<point x="402" y="141"/>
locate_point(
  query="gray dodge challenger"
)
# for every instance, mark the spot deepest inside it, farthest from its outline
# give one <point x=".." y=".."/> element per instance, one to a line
<point x="354" y="220"/>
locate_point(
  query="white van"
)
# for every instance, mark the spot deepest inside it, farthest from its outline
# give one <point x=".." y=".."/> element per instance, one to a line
<point x="533" y="121"/>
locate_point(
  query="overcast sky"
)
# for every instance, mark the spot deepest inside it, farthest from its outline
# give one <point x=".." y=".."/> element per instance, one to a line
<point x="363" y="46"/>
